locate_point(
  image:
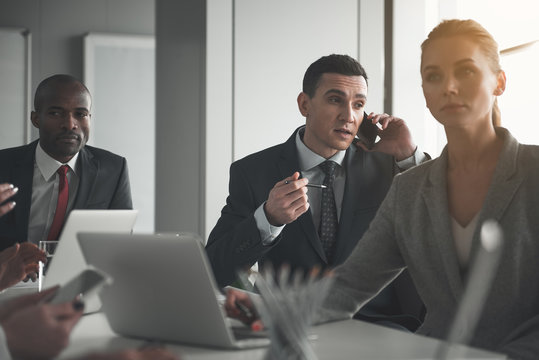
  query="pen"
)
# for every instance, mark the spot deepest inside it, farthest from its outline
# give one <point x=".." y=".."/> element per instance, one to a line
<point x="318" y="186"/>
<point x="244" y="310"/>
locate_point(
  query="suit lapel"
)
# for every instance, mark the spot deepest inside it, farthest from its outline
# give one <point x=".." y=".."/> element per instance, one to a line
<point x="505" y="183"/>
<point x="288" y="164"/>
<point x="353" y="186"/>
<point x="435" y="197"/>
<point x="23" y="175"/>
<point x="88" y="168"/>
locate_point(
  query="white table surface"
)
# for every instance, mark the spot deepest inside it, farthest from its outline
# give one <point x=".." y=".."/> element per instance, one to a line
<point x="350" y="339"/>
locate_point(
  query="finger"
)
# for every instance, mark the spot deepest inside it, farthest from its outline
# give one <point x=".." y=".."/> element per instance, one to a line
<point x="257" y="325"/>
<point x="5" y="186"/>
<point x="4" y="209"/>
<point x="301" y="210"/>
<point x="31" y="253"/>
<point x="230" y="303"/>
<point x="300" y="202"/>
<point x="7" y="191"/>
<point x="32" y="276"/>
<point x="66" y="310"/>
<point x="382" y="120"/>
<point x="10" y="253"/>
<point x="288" y="180"/>
<point x="34" y="258"/>
<point x="31" y="268"/>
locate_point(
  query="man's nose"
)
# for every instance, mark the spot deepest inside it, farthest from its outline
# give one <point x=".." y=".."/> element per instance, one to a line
<point x="349" y="113"/>
<point x="70" y="121"/>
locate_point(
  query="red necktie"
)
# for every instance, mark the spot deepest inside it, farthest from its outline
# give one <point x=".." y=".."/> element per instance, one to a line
<point x="61" y="205"/>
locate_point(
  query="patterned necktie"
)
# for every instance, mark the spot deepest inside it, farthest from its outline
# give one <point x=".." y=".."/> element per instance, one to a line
<point x="61" y="205"/>
<point x="328" y="211"/>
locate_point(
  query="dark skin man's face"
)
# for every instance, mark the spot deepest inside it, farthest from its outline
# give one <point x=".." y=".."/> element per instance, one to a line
<point x="63" y="119"/>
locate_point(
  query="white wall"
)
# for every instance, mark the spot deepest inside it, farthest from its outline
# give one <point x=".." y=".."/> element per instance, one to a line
<point x="120" y="71"/>
<point x="15" y="79"/>
<point x="274" y="43"/>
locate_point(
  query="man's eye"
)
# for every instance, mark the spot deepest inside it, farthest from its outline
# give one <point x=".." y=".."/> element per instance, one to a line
<point x="54" y="113"/>
<point x="359" y="105"/>
<point x="81" y="115"/>
<point x="334" y="100"/>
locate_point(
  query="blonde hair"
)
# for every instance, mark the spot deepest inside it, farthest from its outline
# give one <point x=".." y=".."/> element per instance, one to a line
<point x="479" y="35"/>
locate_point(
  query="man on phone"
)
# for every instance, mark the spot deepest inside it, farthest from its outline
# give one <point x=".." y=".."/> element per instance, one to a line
<point x="307" y="202"/>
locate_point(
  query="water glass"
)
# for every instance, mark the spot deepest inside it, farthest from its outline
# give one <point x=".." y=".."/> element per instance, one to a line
<point x="49" y="246"/>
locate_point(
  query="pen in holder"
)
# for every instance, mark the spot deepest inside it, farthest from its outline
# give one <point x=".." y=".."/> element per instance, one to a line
<point x="289" y="304"/>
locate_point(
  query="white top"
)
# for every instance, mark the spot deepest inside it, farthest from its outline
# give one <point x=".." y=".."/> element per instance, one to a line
<point x="463" y="239"/>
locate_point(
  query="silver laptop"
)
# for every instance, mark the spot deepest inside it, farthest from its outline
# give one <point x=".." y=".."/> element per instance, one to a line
<point x="68" y="260"/>
<point x="163" y="289"/>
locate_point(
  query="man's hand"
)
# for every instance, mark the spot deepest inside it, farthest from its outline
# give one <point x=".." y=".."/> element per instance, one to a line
<point x="238" y="305"/>
<point x="7" y="191"/>
<point x="287" y="200"/>
<point x="395" y="137"/>
<point x="39" y="331"/>
<point x="19" y="262"/>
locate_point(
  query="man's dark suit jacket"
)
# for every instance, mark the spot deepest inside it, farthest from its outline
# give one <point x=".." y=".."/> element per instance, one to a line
<point x="235" y="242"/>
<point x="104" y="184"/>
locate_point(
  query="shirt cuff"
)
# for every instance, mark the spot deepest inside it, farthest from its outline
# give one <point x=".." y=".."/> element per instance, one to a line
<point x="415" y="159"/>
<point x="4" y="351"/>
<point x="268" y="232"/>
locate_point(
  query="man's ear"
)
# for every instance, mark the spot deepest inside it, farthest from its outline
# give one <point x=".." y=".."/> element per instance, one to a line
<point x="304" y="103"/>
<point x="35" y="119"/>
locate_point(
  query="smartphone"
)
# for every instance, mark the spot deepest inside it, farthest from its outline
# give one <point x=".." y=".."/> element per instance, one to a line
<point x="367" y="132"/>
<point x="90" y="281"/>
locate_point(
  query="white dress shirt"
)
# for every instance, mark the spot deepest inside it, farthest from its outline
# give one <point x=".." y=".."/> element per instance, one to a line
<point x="45" y="186"/>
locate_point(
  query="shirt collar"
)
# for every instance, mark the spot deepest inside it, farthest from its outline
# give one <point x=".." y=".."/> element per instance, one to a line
<point x="48" y="166"/>
<point x="308" y="159"/>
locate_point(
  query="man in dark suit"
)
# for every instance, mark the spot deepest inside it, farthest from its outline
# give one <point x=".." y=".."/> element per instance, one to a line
<point x="273" y="216"/>
<point x="96" y="178"/>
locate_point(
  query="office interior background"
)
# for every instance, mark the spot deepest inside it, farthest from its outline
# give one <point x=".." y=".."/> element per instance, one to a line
<point x="183" y="88"/>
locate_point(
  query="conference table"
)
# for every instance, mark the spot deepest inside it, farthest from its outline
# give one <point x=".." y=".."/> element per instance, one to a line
<point x="349" y="339"/>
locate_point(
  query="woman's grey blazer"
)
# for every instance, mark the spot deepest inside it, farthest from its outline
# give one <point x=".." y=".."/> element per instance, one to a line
<point x="412" y="229"/>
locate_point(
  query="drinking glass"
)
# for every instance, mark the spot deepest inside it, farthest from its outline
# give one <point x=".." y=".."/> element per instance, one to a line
<point x="49" y="246"/>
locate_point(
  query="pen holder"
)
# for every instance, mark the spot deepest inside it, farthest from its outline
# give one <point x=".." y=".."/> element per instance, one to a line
<point x="289" y="304"/>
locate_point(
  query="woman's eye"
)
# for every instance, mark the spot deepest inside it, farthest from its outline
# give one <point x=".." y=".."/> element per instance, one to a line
<point x="466" y="71"/>
<point x="433" y="77"/>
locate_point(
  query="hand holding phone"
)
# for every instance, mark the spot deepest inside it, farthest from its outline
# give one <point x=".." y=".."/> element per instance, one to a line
<point x="367" y="132"/>
<point x="85" y="284"/>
